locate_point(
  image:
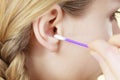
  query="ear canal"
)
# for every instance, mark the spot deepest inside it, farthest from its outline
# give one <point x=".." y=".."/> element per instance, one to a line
<point x="52" y="31"/>
<point x="55" y="30"/>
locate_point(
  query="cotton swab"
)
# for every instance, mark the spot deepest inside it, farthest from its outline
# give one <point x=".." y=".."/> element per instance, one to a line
<point x="59" y="37"/>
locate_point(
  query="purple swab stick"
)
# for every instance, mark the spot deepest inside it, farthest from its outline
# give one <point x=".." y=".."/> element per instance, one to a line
<point x="59" y="37"/>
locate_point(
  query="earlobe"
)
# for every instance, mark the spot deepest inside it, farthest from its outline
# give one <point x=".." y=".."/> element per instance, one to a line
<point x="46" y="26"/>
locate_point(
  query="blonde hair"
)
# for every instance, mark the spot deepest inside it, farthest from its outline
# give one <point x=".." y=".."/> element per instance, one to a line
<point x="16" y="17"/>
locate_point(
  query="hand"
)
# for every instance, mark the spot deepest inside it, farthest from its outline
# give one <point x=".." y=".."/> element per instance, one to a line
<point x="108" y="56"/>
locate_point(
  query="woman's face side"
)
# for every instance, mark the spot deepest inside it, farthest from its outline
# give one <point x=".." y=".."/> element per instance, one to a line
<point x="97" y="23"/>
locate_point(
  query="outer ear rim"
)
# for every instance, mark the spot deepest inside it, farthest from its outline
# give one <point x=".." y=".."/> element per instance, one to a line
<point x="60" y="11"/>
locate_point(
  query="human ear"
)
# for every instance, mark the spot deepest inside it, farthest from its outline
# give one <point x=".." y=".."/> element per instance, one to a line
<point x="47" y="25"/>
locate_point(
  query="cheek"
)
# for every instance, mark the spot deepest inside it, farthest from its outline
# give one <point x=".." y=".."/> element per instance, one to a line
<point x="92" y="30"/>
<point x="103" y="29"/>
<point x="108" y="28"/>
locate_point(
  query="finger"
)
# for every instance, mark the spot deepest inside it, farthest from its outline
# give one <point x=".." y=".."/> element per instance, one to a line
<point x="105" y="69"/>
<point x="115" y="40"/>
<point x="110" y="55"/>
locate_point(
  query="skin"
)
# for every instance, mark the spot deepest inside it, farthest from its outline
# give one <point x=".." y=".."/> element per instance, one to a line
<point x="51" y="59"/>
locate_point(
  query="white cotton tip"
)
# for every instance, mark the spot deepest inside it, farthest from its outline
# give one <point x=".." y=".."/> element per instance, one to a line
<point x="59" y="37"/>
